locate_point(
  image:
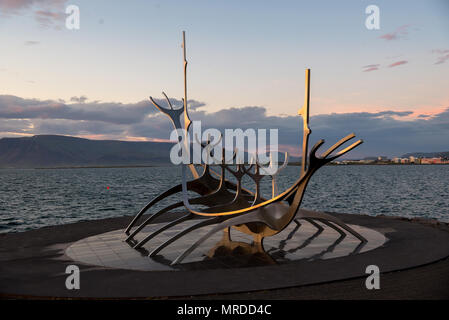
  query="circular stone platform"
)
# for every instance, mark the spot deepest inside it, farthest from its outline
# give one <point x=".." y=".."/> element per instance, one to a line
<point x="297" y="242"/>
<point x="33" y="263"/>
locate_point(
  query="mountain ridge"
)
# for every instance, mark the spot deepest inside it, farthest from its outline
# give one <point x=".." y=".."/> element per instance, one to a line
<point x="63" y="151"/>
<point x="57" y="151"/>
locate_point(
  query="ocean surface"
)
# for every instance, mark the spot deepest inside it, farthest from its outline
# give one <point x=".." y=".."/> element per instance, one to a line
<point x="34" y="198"/>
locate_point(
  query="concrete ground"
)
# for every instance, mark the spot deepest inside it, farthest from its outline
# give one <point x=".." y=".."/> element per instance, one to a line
<point x="32" y="265"/>
<point x="421" y="283"/>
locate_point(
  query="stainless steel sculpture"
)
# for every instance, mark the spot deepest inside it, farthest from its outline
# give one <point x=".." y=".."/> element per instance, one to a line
<point x="230" y="205"/>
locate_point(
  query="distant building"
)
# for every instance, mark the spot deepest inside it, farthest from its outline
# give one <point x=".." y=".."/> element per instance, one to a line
<point x="414" y="160"/>
<point x="398" y="160"/>
<point x="432" y="161"/>
<point x="366" y="161"/>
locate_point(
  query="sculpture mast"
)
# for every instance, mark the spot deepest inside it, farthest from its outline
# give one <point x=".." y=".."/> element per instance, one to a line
<point x="304" y="113"/>
<point x="187" y="121"/>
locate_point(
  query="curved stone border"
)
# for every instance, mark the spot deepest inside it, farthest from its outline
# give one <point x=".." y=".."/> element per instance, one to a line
<point x="303" y="242"/>
<point x="37" y="267"/>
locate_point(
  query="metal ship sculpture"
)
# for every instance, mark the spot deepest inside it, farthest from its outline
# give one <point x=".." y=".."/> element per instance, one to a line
<point x="231" y="205"/>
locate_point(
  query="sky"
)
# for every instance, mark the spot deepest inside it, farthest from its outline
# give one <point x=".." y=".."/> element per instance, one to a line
<point x="246" y="63"/>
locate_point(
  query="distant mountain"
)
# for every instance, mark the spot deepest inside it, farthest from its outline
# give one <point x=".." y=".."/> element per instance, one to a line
<point x="444" y="154"/>
<point x="49" y="151"/>
<point x="63" y="151"/>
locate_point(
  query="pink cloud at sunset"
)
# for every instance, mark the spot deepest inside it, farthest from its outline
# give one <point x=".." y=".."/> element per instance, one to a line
<point x="400" y="32"/>
<point x="443" y="55"/>
<point x="429" y="111"/>
<point x="48" y="13"/>
<point x="398" y="63"/>
<point x="14" y="6"/>
<point x="371" y="67"/>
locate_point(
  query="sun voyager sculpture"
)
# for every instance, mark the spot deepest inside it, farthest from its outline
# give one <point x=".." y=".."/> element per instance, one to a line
<point x="231" y="205"/>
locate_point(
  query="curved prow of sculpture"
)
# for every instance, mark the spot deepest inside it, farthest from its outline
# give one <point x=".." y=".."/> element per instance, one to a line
<point x="272" y="213"/>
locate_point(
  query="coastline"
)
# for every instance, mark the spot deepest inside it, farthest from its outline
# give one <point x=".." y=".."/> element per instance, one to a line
<point x="293" y="164"/>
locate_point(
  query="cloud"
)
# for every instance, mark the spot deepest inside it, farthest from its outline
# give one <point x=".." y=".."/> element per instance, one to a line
<point x="13" y="107"/>
<point x="31" y="43"/>
<point x="387" y="132"/>
<point x="80" y="99"/>
<point x="398" y="63"/>
<point x="399" y="33"/>
<point x="23" y="126"/>
<point x="19" y="6"/>
<point x="371" y="67"/>
<point x="443" y="55"/>
<point x="14" y="6"/>
<point x="48" y="18"/>
<point x="48" y="13"/>
<point x="375" y="67"/>
<point x="392" y="113"/>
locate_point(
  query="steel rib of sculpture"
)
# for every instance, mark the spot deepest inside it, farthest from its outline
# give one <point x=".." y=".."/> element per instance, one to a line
<point x="230" y="204"/>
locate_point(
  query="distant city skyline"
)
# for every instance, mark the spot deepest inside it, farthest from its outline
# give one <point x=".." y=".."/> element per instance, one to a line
<point x="246" y="69"/>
